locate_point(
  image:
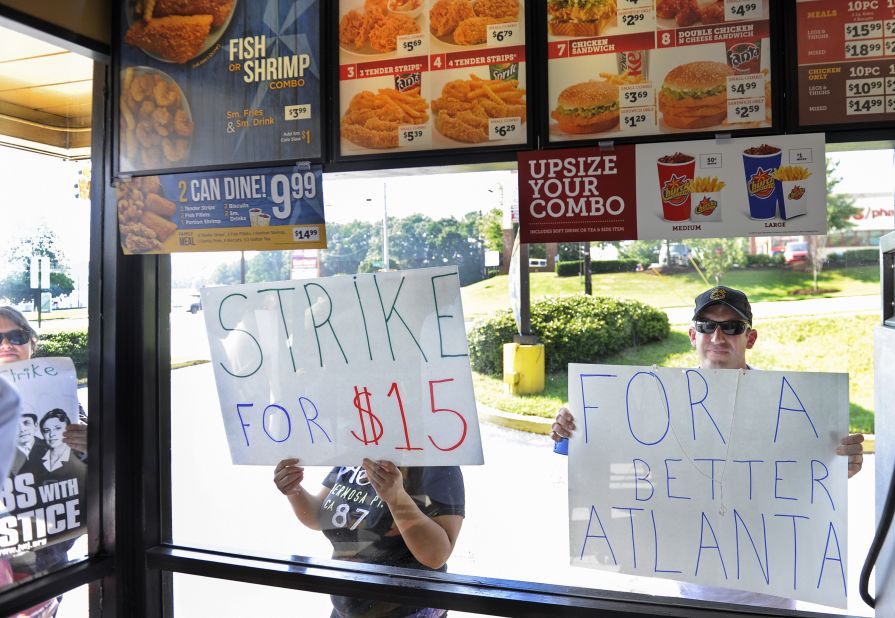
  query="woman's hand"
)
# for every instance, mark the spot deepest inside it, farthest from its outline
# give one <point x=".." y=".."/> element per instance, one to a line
<point x="75" y="436"/>
<point x="288" y="476"/>
<point x="852" y="447"/>
<point x="564" y="425"/>
<point x="386" y="478"/>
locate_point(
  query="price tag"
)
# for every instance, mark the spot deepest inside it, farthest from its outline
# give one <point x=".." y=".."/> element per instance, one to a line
<point x="306" y="233"/>
<point x="890" y="85"/>
<point x="504" y="128"/>
<point x="746" y="110"/>
<point x="298" y="112"/>
<point x="865" y="105"/>
<point x="864" y="87"/>
<point x="638" y="119"/>
<point x="710" y="161"/>
<point x="890" y="105"/>
<point x="889" y="47"/>
<point x="741" y="10"/>
<point x="636" y="95"/>
<point x="863" y="30"/>
<point x="633" y="4"/>
<point x="413" y="135"/>
<point x="889" y="27"/>
<point x="745" y="86"/>
<point x="642" y="19"/>
<point x="859" y="49"/>
<point x="410" y="45"/>
<point x="504" y="34"/>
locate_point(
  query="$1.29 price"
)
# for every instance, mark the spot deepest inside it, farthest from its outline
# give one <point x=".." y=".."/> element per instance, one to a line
<point x="638" y="119"/>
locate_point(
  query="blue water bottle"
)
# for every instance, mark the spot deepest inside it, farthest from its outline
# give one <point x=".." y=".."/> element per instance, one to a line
<point x="561" y="447"/>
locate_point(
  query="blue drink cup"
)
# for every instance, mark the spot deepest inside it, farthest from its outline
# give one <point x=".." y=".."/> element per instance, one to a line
<point x="561" y="447"/>
<point x="764" y="191"/>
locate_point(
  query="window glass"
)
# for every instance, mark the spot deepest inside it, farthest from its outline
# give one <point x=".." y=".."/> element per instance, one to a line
<point x="46" y="95"/>
<point x="515" y="507"/>
<point x="204" y="596"/>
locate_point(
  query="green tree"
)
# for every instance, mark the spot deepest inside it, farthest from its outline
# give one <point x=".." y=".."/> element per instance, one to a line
<point x="36" y="242"/>
<point x="269" y="266"/>
<point x="347" y="247"/>
<point x="840" y="208"/>
<point x="490" y="229"/>
<point x="644" y="251"/>
<point x="226" y="274"/>
<point x="718" y="255"/>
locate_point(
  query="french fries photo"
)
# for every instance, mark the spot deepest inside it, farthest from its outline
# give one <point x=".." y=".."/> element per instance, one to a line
<point x="372" y="119"/>
<point x="623" y="79"/>
<point x="706" y="185"/>
<point x="791" y="172"/>
<point x="465" y="106"/>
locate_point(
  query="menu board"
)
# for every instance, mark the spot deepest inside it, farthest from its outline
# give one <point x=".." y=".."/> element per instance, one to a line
<point x="846" y="61"/>
<point x="757" y="186"/>
<point x="257" y="209"/>
<point x="421" y="75"/>
<point x="207" y="83"/>
<point x="627" y="68"/>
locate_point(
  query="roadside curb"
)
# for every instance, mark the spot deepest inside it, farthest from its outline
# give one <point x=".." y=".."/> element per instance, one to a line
<point x="521" y="422"/>
<point x="543" y="426"/>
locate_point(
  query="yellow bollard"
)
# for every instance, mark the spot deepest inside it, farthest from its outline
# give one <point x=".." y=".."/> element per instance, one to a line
<point x="523" y="368"/>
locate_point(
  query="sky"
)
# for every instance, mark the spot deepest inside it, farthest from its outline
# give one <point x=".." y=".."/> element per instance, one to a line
<point x="41" y="189"/>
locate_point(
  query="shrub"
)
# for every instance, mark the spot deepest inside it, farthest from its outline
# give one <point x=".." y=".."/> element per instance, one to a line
<point x="573" y="329"/>
<point x="573" y="268"/>
<point x="758" y="260"/>
<point x="70" y="343"/>
<point x="854" y="257"/>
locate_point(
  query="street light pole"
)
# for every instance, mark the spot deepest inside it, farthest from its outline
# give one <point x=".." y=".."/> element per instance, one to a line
<point x="384" y="226"/>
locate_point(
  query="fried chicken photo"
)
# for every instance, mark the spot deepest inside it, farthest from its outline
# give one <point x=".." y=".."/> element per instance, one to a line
<point x="353" y="30"/>
<point x="473" y="31"/>
<point x="446" y="15"/>
<point x="499" y="9"/>
<point x="465" y="106"/>
<point x="372" y="120"/>
<point x="383" y="36"/>
<point x="177" y="38"/>
<point x="218" y="9"/>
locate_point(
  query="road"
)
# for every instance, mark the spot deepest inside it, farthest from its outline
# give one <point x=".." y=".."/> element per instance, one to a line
<point x="515" y="527"/>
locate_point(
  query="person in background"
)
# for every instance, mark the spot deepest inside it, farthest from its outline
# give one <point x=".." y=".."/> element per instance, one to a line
<point x="410" y="519"/>
<point x="721" y="333"/>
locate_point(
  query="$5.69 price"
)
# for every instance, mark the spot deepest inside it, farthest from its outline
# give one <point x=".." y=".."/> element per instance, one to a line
<point x="372" y="429"/>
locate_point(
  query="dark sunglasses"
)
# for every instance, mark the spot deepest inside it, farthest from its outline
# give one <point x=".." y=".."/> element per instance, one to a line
<point x="16" y="337"/>
<point x="729" y="327"/>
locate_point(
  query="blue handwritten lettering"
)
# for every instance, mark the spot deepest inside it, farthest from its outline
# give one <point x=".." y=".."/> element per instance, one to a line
<point x="587" y="535"/>
<point x="584" y="401"/>
<point x="700" y="403"/>
<point x="766" y="567"/>
<point x="630" y="510"/>
<point x="784" y="384"/>
<point x="705" y="522"/>
<point x="309" y="420"/>
<point x="669" y="478"/>
<point x="628" y="408"/>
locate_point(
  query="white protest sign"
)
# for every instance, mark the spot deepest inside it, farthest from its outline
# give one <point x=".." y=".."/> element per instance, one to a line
<point x="336" y="369"/>
<point x="721" y="477"/>
<point x="40" y="501"/>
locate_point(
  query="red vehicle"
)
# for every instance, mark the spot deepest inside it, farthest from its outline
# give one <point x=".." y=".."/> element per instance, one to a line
<point x="795" y="252"/>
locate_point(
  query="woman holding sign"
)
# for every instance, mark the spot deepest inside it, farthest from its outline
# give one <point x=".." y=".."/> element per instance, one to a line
<point x="381" y="514"/>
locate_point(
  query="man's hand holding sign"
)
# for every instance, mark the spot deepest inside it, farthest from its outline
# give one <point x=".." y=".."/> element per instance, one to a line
<point x="720" y="476"/>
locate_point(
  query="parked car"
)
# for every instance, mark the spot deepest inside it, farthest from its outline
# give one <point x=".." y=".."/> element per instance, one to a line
<point x="675" y="254"/>
<point x="196" y="305"/>
<point x="795" y="252"/>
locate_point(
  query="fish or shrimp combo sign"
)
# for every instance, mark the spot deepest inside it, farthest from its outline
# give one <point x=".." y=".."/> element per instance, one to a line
<point x="208" y="83"/>
<point x="719" y="477"/>
<point x="337" y="369"/>
<point x="234" y="210"/>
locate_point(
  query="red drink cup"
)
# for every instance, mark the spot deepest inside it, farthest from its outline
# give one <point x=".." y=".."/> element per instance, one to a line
<point x="675" y="175"/>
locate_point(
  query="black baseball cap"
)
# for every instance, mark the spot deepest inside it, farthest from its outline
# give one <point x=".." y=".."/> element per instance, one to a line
<point x="722" y="295"/>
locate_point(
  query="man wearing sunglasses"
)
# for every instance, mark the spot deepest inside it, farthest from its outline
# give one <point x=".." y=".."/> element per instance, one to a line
<point x="721" y="333"/>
